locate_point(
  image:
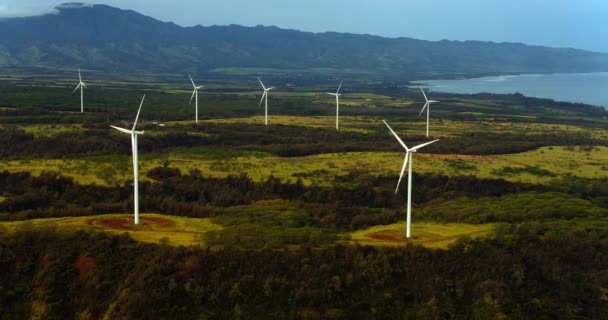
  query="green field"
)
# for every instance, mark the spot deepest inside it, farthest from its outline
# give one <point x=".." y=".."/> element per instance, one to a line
<point x="153" y="228"/>
<point x="183" y="231"/>
<point x="541" y="166"/>
<point x="431" y="235"/>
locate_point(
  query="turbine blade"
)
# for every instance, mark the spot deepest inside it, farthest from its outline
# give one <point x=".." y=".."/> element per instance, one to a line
<point x="269" y="88"/>
<point x="138" y="111"/>
<point x="402" y="170"/>
<point x="79" y="77"/>
<point x="192" y="97"/>
<point x="261" y="83"/>
<point x="425" y="105"/>
<point x="84" y="85"/>
<point x="424" y="94"/>
<point x="396" y="136"/>
<point x="122" y="130"/>
<point x="331" y="93"/>
<point x="263" y="95"/>
<point x="423" y="145"/>
<point x="340" y="86"/>
<point x="191" y="80"/>
<point x="78" y="86"/>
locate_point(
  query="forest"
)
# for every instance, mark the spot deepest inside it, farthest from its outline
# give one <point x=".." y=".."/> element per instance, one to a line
<point x="528" y="271"/>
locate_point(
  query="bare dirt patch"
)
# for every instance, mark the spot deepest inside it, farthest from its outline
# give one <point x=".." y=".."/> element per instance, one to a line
<point x="387" y="235"/>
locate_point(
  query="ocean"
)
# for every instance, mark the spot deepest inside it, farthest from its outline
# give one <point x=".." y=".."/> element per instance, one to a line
<point x="588" y="88"/>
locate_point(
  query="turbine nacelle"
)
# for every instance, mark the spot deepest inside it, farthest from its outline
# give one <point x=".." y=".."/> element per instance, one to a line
<point x="132" y="132"/>
<point x="408" y="151"/>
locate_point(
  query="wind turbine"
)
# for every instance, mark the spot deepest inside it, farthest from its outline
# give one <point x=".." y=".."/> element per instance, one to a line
<point x="134" y="135"/>
<point x="80" y="85"/>
<point x="408" y="156"/>
<point x="337" y="94"/>
<point x="265" y="95"/>
<point x="427" y="106"/>
<point x="195" y="94"/>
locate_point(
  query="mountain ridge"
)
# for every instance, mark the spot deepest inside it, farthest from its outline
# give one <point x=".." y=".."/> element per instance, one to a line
<point x="108" y="38"/>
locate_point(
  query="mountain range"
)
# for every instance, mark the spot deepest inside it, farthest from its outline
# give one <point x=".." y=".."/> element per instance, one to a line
<point x="111" y="39"/>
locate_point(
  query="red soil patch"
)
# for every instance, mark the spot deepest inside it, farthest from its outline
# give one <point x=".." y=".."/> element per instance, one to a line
<point x="126" y="223"/>
<point x="388" y="235"/>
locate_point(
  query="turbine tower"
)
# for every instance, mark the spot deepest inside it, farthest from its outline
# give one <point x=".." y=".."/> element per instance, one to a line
<point x="265" y="95"/>
<point x="427" y="106"/>
<point x="408" y="157"/>
<point x="337" y="94"/>
<point x="134" y="135"/>
<point x="195" y="94"/>
<point x="80" y="85"/>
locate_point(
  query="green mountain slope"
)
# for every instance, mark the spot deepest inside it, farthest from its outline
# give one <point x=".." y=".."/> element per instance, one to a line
<point x="112" y="39"/>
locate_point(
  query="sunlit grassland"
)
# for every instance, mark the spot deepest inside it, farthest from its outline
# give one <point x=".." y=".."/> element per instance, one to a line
<point x="438" y="127"/>
<point x="432" y="235"/>
<point x="347" y="123"/>
<point x="587" y="162"/>
<point x="541" y="166"/>
<point x="50" y="129"/>
<point x="183" y="231"/>
<point x="173" y="230"/>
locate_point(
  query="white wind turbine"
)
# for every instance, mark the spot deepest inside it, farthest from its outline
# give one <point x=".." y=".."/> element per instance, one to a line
<point x="408" y="155"/>
<point x="80" y="85"/>
<point x="337" y="94"/>
<point x="427" y="106"/>
<point x="195" y="95"/>
<point x="134" y="135"/>
<point x="265" y="95"/>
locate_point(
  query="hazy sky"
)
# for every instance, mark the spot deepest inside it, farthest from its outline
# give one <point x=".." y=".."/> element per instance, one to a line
<point x="558" y="23"/>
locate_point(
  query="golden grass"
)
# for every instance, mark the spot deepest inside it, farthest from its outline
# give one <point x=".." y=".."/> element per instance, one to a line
<point x="431" y="235"/>
<point x="183" y="231"/>
<point x="580" y="162"/>
<point x="322" y="169"/>
<point x="347" y="123"/>
<point x="178" y="231"/>
<point x="438" y="127"/>
<point x="50" y="129"/>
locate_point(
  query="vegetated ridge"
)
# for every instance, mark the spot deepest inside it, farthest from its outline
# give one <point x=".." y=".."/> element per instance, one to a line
<point x="107" y="38"/>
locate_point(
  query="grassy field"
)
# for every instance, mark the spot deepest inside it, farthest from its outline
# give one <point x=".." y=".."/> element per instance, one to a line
<point x="438" y="127"/>
<point x="153" y="228"/>
<point x="182" y="231"/>
<point x="432" y="235"/>
<point x="539" y="166"/>
<point x="50" y="129"/>
<point x="352" y="124"/>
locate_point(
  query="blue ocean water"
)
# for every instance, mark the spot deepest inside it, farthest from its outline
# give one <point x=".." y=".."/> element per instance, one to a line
<point x="588" y="88"/>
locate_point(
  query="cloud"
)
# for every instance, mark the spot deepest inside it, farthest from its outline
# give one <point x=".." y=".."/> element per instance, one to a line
<point x="74" y="5"/>
<point x="15" y="11"/>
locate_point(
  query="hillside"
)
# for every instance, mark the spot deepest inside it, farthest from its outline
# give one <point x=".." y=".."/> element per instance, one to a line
<point x="106" y="38"/>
